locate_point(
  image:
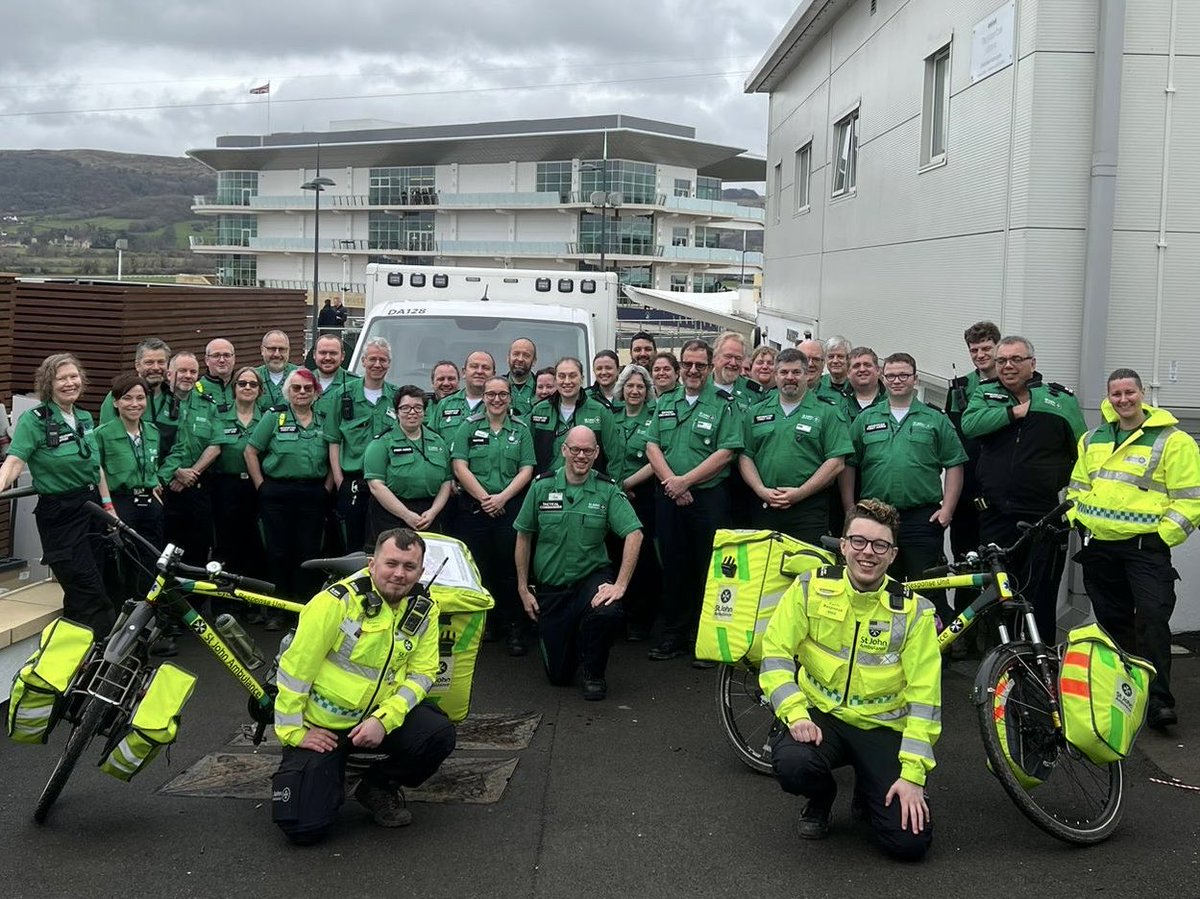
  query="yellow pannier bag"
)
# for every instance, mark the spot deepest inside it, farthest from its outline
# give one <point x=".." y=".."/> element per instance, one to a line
<point x="35" y="704"/>
<point x="749" y="572"/>
<point x="155" y="722"/>
<point x="463" y="603"/>
<point x="1103" y="692"/>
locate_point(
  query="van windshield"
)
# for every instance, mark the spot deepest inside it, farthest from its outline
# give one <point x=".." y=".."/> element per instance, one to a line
<point x="419" y="342"/>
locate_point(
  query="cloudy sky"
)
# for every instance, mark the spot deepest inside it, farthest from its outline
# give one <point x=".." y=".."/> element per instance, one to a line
<point x="163" y="77"/>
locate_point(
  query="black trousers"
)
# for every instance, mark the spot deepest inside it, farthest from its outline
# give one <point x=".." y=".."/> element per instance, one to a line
<point x="806" y="769"/>
<point x="1132" y="589"/>
<point x="380" y="519"/>
<point x="237" y="538"/>
<point x="131" y="572"/>
<point x="571" y="632"/>
<point x="964" y="537"/>
<point x="293" y="519"/>
<point x="71" y="547"/>
<point x="807" y="520"/>
<point x="922" y="545"/>
<point x="1038" y="567"/>
<point x="493" y="545"/>
<point x="315" y="781"/>
<point x="685" y="535"/>
<point x="187" y="521"/>
<point x="351" y="509"/>
<point x="641" y="600"/>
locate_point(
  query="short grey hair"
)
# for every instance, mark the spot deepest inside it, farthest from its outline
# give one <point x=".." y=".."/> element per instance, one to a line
<point x="727" y="336"/>
<point x="378" y="343"/>
<point x="628" y="372"/>
<point x="837" y="341"/>
<point x="151" y="343"/>
<point x="1017" y="338"/>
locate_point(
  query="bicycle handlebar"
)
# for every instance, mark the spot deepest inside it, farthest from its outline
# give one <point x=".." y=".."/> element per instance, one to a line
<point x="1045" y="523"/>
<point x="17" y="492"/>
<point x="117" y="524"/>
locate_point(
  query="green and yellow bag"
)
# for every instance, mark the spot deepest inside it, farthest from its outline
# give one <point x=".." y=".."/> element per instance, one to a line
<point x="749" y="573"/>
<point x="35" y="704"/>
<point x="1103" y="692"/>
<point x="155" y="722"/>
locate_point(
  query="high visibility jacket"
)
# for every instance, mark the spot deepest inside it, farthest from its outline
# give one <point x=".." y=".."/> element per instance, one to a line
<point x="1148" y="483"/>
<point x="869" y="659"/>
<point x="345" y="664"/>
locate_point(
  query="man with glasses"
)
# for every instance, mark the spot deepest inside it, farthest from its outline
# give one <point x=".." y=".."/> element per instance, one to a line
<point x="1028" y="434"/>
<point x="900" y="453"/>
<point x="214" y="387"/>
<point x="852" y="669"/>
<point x="694" y="436"/>
<point x="276" y="349"/>
<point x="574" y="597"/>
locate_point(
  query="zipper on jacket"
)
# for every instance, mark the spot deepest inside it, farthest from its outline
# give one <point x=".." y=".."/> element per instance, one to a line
<point x="382" y="674"/>
<point x="850" y="669"/>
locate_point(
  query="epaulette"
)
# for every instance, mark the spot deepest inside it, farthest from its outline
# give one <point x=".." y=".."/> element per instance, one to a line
<point x="362" y="584"/>
<point x="831" y="572"/>
<point x="897" y="594"/>
<point x="476" y="416"/>
<point x="995" y="380"/>
<point x="821" y="398"/>
<point x="341" y="591"/>
<point x="278" y="407"/>
<point x="601" y="476"/>
<point x="1056" y="389"/>
<point x="755" y="387"/>
<point x="544" y="474"/>
<point x="42" y="412"/>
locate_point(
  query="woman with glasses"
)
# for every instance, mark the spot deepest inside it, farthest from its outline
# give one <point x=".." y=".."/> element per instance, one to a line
<point x="128" y="447"/>
<point x="287" y="459"/>
<point x="238" y="542"/>
<point x="56" y="441"/>
<point x="605" y="367"/>
<point x="492" y="458"/>
<point x="664" y="371"/>
<point x="572" y="405"/>
<point x="407" y="471"/>
<point x="632" y="472"/>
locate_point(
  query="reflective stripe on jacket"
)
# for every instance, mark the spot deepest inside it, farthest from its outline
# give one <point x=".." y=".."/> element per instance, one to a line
<point x="870" y="659"/>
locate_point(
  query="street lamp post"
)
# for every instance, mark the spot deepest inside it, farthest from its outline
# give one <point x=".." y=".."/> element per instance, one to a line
<point x="316" y="185"/>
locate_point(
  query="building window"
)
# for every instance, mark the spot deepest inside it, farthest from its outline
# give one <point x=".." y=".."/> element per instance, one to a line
<point x="707" y="283"/>
<point x="707" y="237"/>
<point x="683" y="187"/>
<point x="708" y="188"/>
<point x="408" y="233"/>
<point x="236" y="188"/>
<point x="636" y="182"/>
<point x="679" y="283"/>
<point x="555" y="177"/>
<point x="934" y="116"/>
<point x="679" y="237"/>
<point x="401" y="186"/>
<point x="236" y="230"/>
<point x="845" y="144"/>
<point x="237" y="271"/>
<point x="635" y="275"/>
<point x="803" y="176"/>
<point x="630" y="235"/>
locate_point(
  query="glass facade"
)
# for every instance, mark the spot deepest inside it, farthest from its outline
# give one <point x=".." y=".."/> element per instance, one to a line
<point x="636" y="182"/>
<point x="236" y="230"/>
<point x="708" y="188"/>
<point x="236" y="270"/>
<point x="411" y="232"/>
<point x="706" y="283"/>
<point x="400" y="185"/>
<point x="679" y="283"/>
<point x="555" y="177"/>
<point x="707" y="237"/>
<point x="683" y="187"/>
<point x="637" y="275"/>
<point x="236" y="188"/>
<point x="628" y="235"/>
<point x="679" y="237"/>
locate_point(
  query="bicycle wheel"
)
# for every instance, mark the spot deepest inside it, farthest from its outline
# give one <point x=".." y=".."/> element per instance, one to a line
<point x="746" y="716"/>
<point x="1053" y="784"/>
<point x="81" y="735"/>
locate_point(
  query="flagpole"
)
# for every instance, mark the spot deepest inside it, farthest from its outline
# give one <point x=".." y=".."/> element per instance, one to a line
<point x="268" y="109"/>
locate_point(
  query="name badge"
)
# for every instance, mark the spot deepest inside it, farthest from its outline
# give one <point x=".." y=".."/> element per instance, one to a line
<point x="704" y="426"/>
<point x="878" y="426"/>
<point x="402" y="450"/>
<point x="667" y="413"/>
<point x="762" y="419"/>
<point x="450" y="413"/>
<point x="555" y="495"/>
<point x="999" y="397"/>
<point x="550" y="505"/>
<point x="804" y="429"/>
<point x="230" y="432"/>
<point x="483" y="434"/>
<point x="288" y="429"/>
<point x="540" y="419"/>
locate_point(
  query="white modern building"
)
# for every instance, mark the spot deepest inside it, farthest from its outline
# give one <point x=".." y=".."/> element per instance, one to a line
<point x="639" y="197"/>
<point x="932" y="163"/>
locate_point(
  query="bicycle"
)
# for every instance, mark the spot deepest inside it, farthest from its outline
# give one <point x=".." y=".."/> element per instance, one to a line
<point x="101" y="699"/>
<point x="1016" y="697"/>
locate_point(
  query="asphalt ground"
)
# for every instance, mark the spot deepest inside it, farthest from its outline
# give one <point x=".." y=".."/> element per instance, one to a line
<point x="635" y="796"/>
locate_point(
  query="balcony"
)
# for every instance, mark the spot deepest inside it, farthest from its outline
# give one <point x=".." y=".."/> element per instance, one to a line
<point x="711" y="255"/>
<point x="715" y="208"/>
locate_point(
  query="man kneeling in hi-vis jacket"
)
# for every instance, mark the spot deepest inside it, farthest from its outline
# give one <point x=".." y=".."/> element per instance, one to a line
<point x="364" y="656"/>
<point x="852" y="669"/>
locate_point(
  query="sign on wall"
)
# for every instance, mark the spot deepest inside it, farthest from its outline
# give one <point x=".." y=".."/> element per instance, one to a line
<point x="992" y="42"/>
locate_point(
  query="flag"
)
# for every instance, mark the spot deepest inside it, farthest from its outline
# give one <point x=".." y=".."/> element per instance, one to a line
<point x="261" y="89"/>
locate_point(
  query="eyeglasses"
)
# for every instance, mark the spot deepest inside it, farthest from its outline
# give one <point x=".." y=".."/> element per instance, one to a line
<point x="901" y="376"/>
<point x="584" y="451"/>
<point x="410" y="410"/>
<point x="274" y="349"/>
<point x="246" y="383"/>
<point x="219" y="355"/>
<point x="859" y="542"/>
<point x="693" y="366"/>
<point x="301" y="388"/>
<point x="1011" y="360"/>
<point x="497" y="395"/>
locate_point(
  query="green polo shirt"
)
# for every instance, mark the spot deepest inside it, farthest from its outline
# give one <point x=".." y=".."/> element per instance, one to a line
<point x="826" y="388"/>
<point x="589" y="412"/>
<point x="788" y="448"/>
<point x="571" y="522"/>
<point x="193" y="435"/>
<point x="128" y="465"/>
<point x="352" y="421"/>
<point x="494" y="457"/>
<point x="447" y="415"/>
<point x="161" y="410"/>
<point x="902" y="462"/>
<point x="71" y="464"/>
<point x="340" y="379"/>
<point x="524" y="396"/>
<point x="630" y="433"/>
<point x="272" y="393"/>
<point x="740" y="391"/>
<point x="688" y="433"/>
<point x="959" y="395"/>
<point x="854" y="410"/>
<point x="232" y="436"/>
<point x="290" y="451"/>
<point x="218" y="395"/>
<point x="411" y="469"/>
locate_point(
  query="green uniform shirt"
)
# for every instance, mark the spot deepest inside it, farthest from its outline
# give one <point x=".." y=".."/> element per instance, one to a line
<point x="902" y="462"/>
<point x="447" y="415"/>
<point x="740" y="391"/>
<point x="197" y="426"/>
<point x="340" y="379"/>
<point x="959" y="395"/>
<point x="365" y="421"/>
<point x="629" y="442"/>
<point x="162" y="411"/>
<point x="826" y="388"/>
<point x="787" y="449"/>
<point x="546" y="419"/>
<point x="853" y="409"/>
<point x="290" y="451"/>
<point x="571" y="522"/>
<point x="272" y="393"/>
<point x="494" y="458"/>
<point x="71" y="464"/>
<point x="524" y="396"/>
<point x="411" y="469"/>
<point x="688" y="433"/>
<point x="128" y="465"/>
<point x="218" y="394"/>
<point x="232" y="436"/>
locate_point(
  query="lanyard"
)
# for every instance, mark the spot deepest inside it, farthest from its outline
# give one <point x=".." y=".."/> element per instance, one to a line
<point x="137" y="446"/>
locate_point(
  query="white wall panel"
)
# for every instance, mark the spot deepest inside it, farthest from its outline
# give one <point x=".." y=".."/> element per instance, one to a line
<point x="485" y="178"/>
